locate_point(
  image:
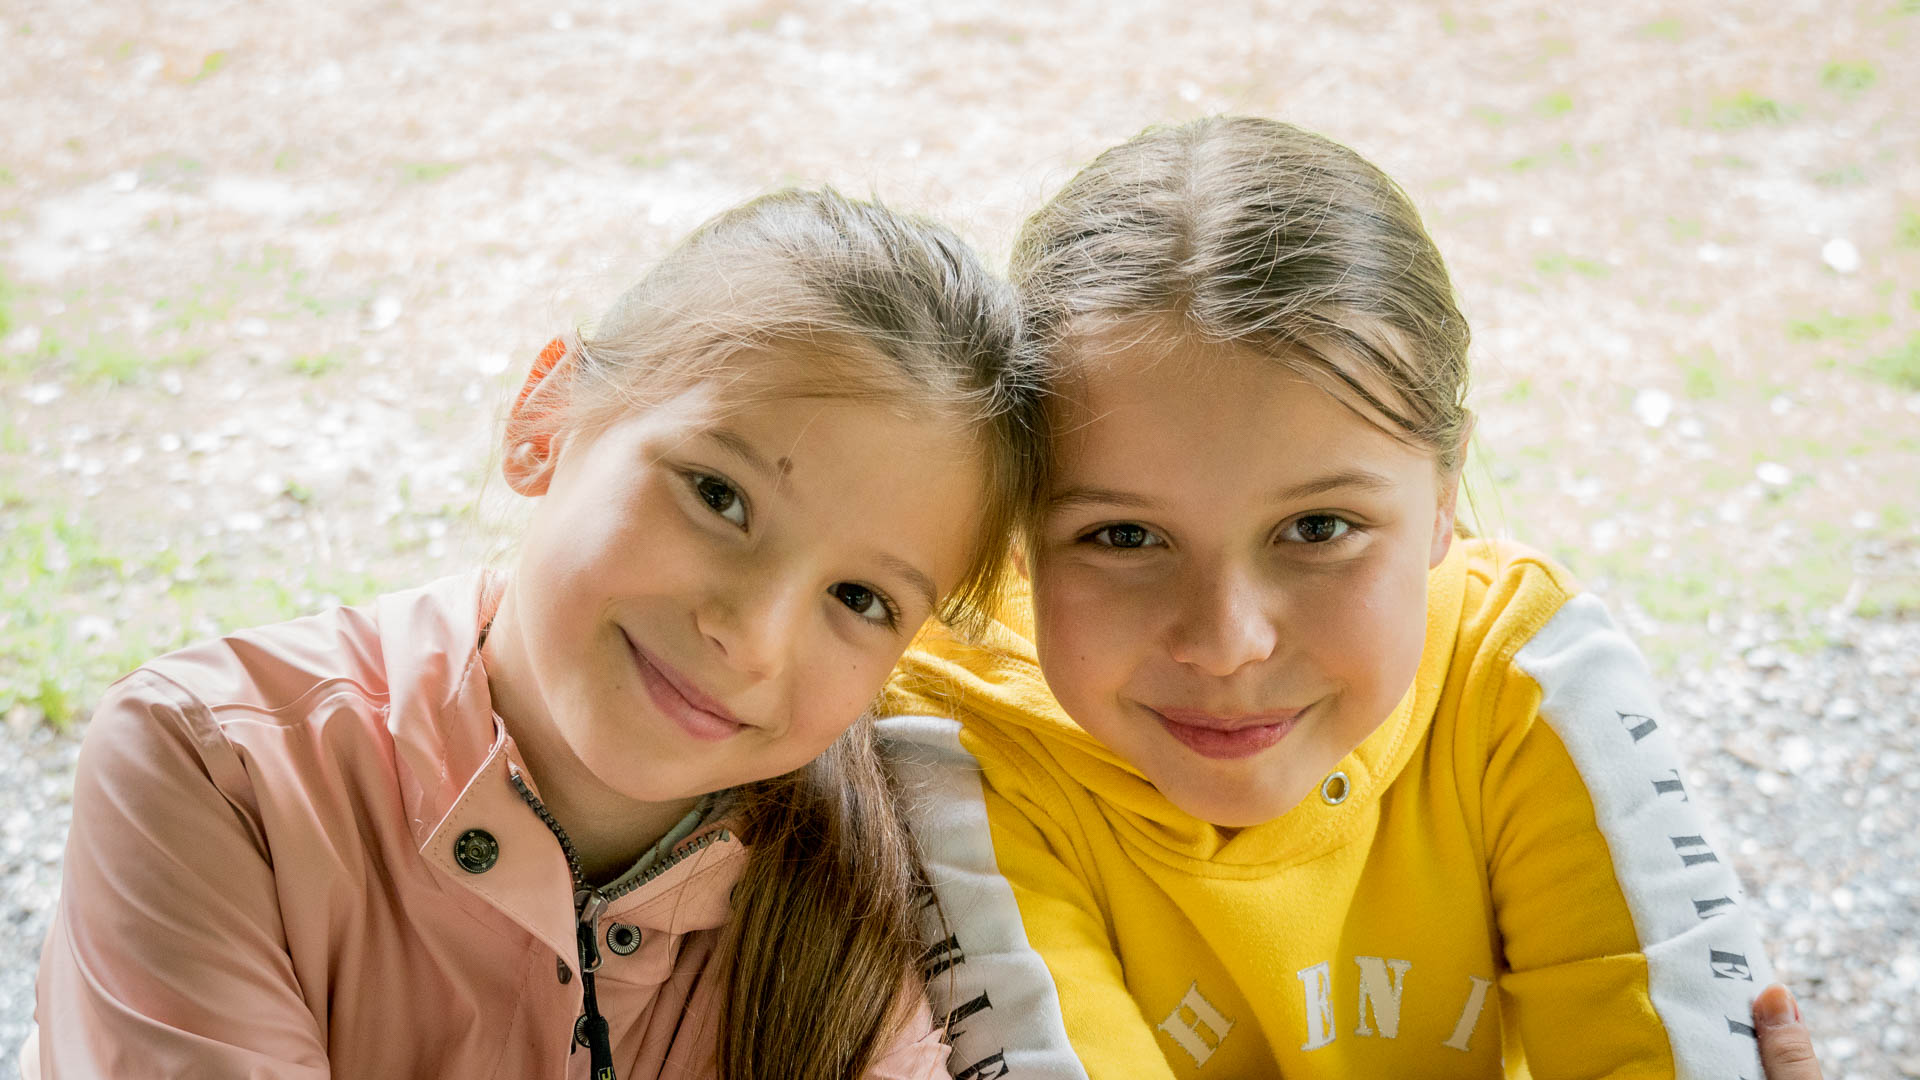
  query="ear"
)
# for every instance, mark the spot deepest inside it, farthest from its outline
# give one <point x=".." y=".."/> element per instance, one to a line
<point x="531" y="447"/>
<point x="1443" y="519"/>
<point x="1446" y="513"/>
<point x="1019" y="554"/>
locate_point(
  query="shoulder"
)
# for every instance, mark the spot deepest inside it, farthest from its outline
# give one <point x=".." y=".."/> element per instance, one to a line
<point x="1510" y="589"/>
<point x="1530" y="645"/>
<point x="259" y="700"/>
<point x="263" y="671"/>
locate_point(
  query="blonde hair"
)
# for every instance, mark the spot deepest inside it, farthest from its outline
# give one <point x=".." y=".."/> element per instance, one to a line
<point x="887" y="308"/>
<point x="1246" y="231"/>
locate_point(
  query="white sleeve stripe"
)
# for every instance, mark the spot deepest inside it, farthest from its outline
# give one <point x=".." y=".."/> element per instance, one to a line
<point x="1704" y="959"/>
<point x="999" y="999"/>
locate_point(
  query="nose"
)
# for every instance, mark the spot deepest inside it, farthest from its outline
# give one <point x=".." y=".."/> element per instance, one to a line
<point x="1222" y="622"/>
<point x="754" y="620"/>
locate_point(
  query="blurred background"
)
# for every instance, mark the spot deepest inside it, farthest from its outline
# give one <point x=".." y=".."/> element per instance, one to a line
<point x="267" y="271"/>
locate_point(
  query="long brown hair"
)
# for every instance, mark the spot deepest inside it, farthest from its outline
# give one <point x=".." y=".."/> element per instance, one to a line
<point x="1243" y="230"/>
<point x="891" y="308"/>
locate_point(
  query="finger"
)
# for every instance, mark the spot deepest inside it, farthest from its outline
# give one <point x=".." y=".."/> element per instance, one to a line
<point x="1786" y="1047"/>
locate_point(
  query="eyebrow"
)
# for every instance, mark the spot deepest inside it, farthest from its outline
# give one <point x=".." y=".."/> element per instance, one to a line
<point x="739" y="447"/>
<point x="1357" y="479"/>
<point x="920" y="582"/>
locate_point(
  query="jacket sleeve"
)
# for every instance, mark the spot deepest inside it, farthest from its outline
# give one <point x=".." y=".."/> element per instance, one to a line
<point x="1627" y="944"/>
<point x="167" y="956"/>
<point x="1018" y="922"/>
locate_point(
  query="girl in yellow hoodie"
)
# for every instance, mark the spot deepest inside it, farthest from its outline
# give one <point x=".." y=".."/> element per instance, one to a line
<point x="1312" y="786"/>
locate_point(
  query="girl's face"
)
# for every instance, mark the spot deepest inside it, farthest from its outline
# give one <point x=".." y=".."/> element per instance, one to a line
<point x="1231" y="578"/>
<point x="711" y="591"/>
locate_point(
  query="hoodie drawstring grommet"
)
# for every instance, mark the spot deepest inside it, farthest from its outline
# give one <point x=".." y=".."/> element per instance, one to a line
<point x="1335" y="788"/>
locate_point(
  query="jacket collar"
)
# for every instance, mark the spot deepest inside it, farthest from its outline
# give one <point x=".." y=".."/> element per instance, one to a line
<point x="454" y="760"/>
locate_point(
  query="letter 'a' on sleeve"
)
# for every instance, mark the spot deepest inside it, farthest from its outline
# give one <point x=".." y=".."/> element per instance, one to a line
<point x="993" y="991"/>
<point x="1704" y="960"/>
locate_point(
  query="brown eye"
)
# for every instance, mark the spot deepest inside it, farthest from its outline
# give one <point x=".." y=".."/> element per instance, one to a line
<point x="863" y="602"/>
<point x="1125" y="535"/>
<point x="721" y="498"/>
<point x="1320" y="528"/>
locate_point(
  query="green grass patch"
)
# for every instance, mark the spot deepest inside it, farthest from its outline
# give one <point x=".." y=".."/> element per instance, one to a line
<point x="1841" y="176"/>
<point x="44" y="647"/>
<point x="314" y="365"/>
<point x="1663" y="30"/>
<point x="427" y="172"/>
<point x="1746" y="109"/>
<point x="1681" y="597"/>
<point x="203" y="305"/>
<point x="211" y="65"/>
<point x="1555" y="264"/>
<point x="1701" y="375"/>
<point x="1558" y="103"/>
<point x="109" y="359"/>
<point x="1900" y="366"/>
<point x="1891" y="597"/>
<point x="1907" y="234"/>
<point x="1831" y="326"/>
<point x="1488" y="115"/>
<point x="1848" y="76"/>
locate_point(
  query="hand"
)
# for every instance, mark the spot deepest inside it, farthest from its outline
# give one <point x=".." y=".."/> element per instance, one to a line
<point x="1786" y="1047"/>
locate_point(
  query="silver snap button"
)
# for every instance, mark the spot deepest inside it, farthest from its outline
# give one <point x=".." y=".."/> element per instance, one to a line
<point x="623" y="939"/>
<point x="1335" y="788"/>
<point x="476" y="851"/>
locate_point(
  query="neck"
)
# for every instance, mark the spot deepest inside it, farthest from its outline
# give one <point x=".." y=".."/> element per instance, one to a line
<point x="609" y="830"/>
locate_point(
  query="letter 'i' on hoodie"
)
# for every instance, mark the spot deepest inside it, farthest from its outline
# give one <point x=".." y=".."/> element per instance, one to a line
<point x="1509" y="876"/>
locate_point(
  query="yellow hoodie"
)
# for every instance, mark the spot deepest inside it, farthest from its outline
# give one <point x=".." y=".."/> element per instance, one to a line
<point x="1512" y="877"/>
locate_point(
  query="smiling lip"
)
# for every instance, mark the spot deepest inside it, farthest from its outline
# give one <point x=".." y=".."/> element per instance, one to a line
<point x="697" y="714"/>
<point x="1216" y="736"/>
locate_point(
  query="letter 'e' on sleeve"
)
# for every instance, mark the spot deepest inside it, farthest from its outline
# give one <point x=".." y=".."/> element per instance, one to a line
<point x="1593" y="816"/>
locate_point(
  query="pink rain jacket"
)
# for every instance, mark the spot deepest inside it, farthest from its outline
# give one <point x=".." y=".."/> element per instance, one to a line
<point x="262" y="879"/>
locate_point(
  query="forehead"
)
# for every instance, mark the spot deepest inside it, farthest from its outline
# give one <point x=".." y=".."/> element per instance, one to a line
<point x="1151" y="408"/>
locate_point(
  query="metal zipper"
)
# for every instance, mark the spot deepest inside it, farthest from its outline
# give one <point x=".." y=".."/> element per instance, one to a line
<point x="589" y="903"/>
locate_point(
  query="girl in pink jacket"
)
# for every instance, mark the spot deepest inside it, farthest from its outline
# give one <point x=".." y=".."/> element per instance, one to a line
<point x="616" y="812"/>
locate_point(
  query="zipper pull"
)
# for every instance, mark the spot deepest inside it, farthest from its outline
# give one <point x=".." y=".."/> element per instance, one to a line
<point x="590" y="904"/>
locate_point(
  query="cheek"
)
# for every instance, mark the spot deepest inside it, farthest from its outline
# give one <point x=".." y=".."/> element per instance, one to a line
<point x="835" y="691"/>
<point x="1090" y="632"/>
<point x="1368" y="630"/>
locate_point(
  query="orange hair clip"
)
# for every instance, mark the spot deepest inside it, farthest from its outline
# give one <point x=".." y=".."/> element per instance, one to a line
<point x="550" y="356"/>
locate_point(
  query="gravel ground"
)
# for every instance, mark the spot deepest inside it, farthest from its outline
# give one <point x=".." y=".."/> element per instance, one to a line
<point x="266" y="269"/>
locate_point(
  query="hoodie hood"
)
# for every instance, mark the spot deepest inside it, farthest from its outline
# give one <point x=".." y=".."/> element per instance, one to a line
<point x="995" y="688"/>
